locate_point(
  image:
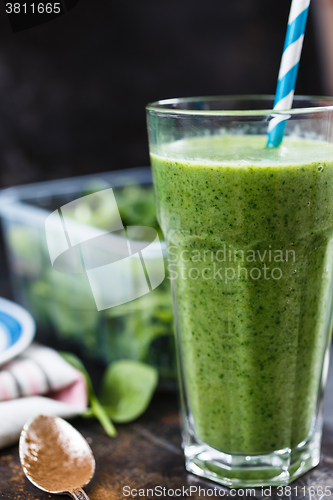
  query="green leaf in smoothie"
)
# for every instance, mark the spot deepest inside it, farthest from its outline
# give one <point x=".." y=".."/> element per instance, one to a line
<point x="127" y="389"/>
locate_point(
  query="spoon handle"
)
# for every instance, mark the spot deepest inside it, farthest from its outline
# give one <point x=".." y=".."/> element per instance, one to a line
<point x="78" y="494"/>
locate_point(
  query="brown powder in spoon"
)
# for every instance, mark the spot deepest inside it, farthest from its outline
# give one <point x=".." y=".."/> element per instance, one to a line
<point x="56" y="457"/>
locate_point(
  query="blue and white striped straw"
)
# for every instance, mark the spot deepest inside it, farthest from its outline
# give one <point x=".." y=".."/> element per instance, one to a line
<point x="288" y="69"/>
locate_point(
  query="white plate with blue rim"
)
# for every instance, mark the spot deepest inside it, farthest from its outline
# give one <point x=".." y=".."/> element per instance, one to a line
<point x="17" y="330"/>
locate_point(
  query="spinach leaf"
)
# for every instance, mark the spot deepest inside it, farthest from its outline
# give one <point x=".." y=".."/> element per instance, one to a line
<point x="96" y="409"/>
<point x="127" y="389"/>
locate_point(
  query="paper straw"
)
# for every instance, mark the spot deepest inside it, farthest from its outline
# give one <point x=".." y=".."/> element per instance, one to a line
<point x="288" y="69"/>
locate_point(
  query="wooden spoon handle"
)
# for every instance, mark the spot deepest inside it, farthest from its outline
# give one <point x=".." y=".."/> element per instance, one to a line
<point x="78" y="494"/>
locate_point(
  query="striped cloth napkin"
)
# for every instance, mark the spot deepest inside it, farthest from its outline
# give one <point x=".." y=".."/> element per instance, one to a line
<point x="38" y="382"/>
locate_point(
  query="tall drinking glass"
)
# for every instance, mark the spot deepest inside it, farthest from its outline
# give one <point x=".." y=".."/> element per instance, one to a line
<point x="249" y="232"/>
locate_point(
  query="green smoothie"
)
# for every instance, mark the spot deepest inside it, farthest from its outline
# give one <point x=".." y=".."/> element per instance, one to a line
<point x="250" y="238"/>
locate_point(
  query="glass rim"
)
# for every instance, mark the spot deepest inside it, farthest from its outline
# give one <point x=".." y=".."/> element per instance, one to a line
<point x="164" y="106"/>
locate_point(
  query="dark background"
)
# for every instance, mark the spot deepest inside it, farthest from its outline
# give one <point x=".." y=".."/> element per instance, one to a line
<point x="73" y="91"/>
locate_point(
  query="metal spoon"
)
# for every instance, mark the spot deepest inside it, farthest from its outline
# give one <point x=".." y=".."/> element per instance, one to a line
<point x="55" y="457"/>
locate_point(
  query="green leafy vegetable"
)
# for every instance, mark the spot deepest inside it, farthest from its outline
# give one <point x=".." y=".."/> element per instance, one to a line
<point x="127" y="389"/>
<point x="96" y="409"/>
<point x="63" y="304"/>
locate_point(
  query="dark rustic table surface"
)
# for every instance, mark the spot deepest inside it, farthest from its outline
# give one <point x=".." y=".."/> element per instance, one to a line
<point x="147" y="454"/>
